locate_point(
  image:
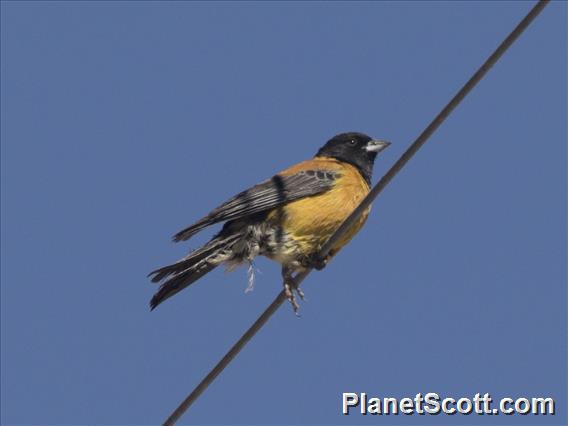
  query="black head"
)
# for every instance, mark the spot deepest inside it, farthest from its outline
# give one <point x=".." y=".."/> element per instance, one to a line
<point x="354" y="148"/>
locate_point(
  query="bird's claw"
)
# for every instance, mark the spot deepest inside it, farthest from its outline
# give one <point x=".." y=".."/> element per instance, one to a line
<point x="300" y="293"/>
<point x="289" y="289"/>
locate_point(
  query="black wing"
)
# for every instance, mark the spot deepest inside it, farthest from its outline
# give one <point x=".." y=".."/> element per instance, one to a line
<point x="265" y="196"/>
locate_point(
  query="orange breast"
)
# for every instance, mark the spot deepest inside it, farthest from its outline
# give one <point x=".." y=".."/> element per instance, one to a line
<point x="310" y="222"/>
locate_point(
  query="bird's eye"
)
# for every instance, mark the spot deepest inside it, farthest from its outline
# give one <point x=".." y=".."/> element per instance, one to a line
<point x="352" y="142"/>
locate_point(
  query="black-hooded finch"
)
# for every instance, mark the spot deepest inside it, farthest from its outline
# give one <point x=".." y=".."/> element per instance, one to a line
<point x="286" y="218"/>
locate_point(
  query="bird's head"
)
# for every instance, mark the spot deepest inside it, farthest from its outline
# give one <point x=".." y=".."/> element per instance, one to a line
<point x="354" y="148"/>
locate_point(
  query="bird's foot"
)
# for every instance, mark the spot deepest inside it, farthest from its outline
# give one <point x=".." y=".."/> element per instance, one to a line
<point x="300" y="293"/>
<point x="289" y="291"/>
<point x="290" y="288"/>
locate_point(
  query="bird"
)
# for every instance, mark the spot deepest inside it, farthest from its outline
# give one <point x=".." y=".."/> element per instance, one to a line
<point x="286" y="218"/>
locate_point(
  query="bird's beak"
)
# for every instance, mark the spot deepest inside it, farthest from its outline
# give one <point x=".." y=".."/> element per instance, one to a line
<point x="376" y="146"/>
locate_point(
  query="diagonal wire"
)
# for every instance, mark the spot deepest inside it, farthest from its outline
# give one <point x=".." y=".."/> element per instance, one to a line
<point x="383" y="182"/>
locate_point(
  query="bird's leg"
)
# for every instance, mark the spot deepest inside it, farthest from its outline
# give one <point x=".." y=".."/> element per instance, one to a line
<point x="290" y="287"/>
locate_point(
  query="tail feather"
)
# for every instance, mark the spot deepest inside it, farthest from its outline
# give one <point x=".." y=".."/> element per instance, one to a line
<point x="189" y="269"/>
<point x="178" y="282"/>
<point x="192" y="258"/>
<point x="188" y="232"/>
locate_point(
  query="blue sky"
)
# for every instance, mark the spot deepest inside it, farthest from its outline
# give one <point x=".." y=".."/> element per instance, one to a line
<point x="124" y="122"/>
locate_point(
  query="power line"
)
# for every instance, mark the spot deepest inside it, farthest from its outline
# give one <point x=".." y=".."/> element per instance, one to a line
<point x="383" y="182"/>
